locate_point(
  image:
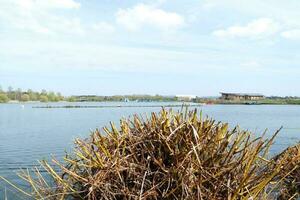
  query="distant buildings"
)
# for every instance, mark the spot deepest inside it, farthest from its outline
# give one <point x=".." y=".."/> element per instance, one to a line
<point x="185" y="97"/>
<point x="82" y="98"/>
<point x="241" y="96"/>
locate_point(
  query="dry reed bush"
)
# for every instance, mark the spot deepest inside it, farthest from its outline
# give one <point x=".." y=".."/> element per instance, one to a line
<point x="166" y="156"/>
<point x="290" y="186"/>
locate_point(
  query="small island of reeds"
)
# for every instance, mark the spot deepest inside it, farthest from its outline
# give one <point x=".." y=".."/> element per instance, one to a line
<point x="169" y="155"/>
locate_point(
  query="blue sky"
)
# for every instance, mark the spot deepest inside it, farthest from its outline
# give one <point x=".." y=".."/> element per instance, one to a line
<point x="107" y="47"/>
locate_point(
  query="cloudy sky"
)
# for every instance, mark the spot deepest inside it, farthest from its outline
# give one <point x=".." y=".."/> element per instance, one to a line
<point x="108" y="47"/>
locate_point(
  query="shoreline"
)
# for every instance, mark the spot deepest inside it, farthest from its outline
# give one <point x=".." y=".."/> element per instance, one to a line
<point x="190" y="102"/>
<point x="123" y="106"/>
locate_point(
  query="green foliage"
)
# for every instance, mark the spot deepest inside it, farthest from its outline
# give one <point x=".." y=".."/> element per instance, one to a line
<point x="33" y="96"/>
<point x="54" y="97"/>
<point x="25" y="97"/>
<point x="29" y="95"/>
<point x="140" y="98"/>
<point x="71" y="99"/>
<point x="267" y="101"/>
<point x="166" y="156"/>
<point x="3" y="98"/>
<point x="293" y="101"/>
<point x="17" y="94"/>
<point x="44" y="98"/>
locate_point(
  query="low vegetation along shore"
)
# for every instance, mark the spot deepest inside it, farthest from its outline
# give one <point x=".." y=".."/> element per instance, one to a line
<point x="266" y="101"/>
<point x="169" y="155"/>
<point x="18" y="95"/>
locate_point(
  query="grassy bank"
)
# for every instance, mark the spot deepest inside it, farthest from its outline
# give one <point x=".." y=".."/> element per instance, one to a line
<point x="267" y="101"/>
<point x="169" y="155"/>
<point x="123" y="106"/>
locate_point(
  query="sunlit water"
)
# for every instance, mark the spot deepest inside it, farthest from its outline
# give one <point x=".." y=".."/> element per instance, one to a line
<point x="29" y="134"/>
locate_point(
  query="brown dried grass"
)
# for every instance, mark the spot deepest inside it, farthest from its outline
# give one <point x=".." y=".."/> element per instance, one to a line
<point x="170" y="155"/>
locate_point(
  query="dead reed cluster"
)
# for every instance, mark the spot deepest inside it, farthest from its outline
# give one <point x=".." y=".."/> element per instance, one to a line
<point x="169" y="155"/>
<point x="290" y="173"/>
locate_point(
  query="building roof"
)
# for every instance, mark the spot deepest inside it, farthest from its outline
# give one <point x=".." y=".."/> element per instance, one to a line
<point x="243" y="94"/>
<point x="186" y="96"/>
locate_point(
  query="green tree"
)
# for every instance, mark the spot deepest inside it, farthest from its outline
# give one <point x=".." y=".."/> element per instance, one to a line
<point x="51" y="96"/>
<point x="44" y="92"/>
<point x="71" y="99"/>
<point x="25" y="97"/>
<point x="59" y="96"/>
<point x="10" y="93"/>
<point x="3" y="98"/>
<point x="32" y="95"/>
<point x="44" y="98"/>
<point x="18" y="94"/>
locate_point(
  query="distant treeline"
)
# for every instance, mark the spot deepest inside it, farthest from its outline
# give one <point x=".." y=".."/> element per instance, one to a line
<point x="142" y="98"/>
<point x="12" y="94"/>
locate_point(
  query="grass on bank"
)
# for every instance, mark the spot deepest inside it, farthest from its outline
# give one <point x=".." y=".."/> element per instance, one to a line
<point x="266" y="101"/>
<point x="169" y="155"/>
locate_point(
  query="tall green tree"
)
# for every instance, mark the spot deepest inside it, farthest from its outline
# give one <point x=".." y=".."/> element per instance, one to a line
<point x="44" y="98"/>
<point x="3" y="98"/>
<point x="51" y="96"/>
<point x="19" y="94"/>
<point x="59" y="96"/>
<point x="10" y="93"/>
<point x="25" y="97"/>
<point x="44" y="92"/>
<point x="32" y="95"/>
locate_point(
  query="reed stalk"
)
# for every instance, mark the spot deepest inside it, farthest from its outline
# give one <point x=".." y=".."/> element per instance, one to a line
<point x="169" y="155"/>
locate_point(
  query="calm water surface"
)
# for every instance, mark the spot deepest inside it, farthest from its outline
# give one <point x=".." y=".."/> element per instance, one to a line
<point x="29" y="134"/>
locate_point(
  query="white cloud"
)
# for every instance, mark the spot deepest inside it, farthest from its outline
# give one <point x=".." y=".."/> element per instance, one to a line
<point x="291" y="34"/>
<point x="103" y="27"/>
<point x="251" y="65"/>
<point x="280" y="10"/>
<point x="66" y="4"/>
<point x="258" y="28"/>
<point x="144" y="15"/>
<point x="39" y="16"/>
<point x="47" y="4"/>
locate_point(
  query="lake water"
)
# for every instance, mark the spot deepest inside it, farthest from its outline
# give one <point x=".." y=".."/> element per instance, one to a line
<point x="29" y="134"/>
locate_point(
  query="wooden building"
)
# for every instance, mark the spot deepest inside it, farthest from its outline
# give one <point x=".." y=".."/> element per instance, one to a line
<point x="241" y="96"/>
